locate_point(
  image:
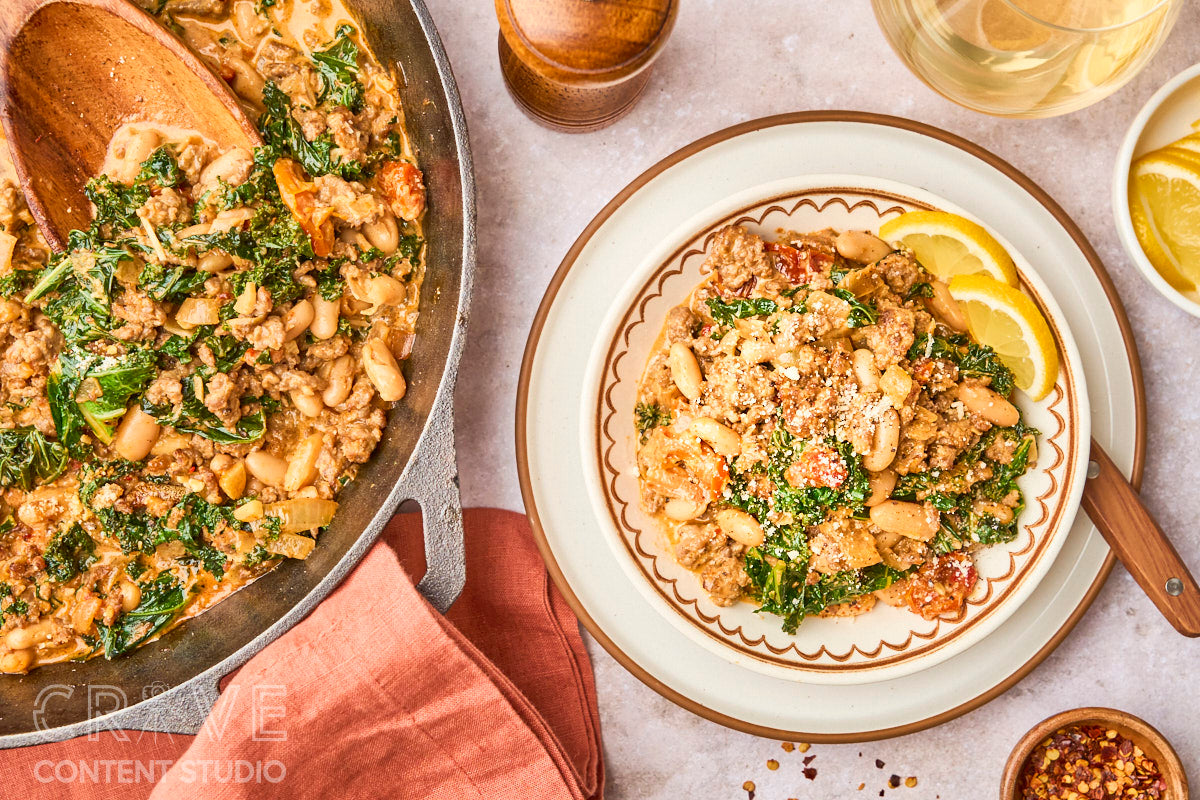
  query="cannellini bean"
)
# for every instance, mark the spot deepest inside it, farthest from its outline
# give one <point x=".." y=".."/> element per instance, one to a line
<point x="1002" y="513"/>
<point x="307" y="401"/>
<point x="383" y="233"/>
<point x="136" y="435"/>
<point x="881" y="485"/>
<point x="138" y="146"/>
<point x="722" y="438"/>
<point x="246" y="82"/>
<point x="683" y="510"/>
<point x="196" y="311"/>
<point x="249" y="25"/>
<point x="885" y="442"/>
<point x="339" y="382"/>
<point x="230" y="218"/>
<point x="131" y="595"/>
<point x="861" y="246"/>
<point x="231" y="166"/>
<point x="302" y="466"/>
<point x="297" y="320"/>
<point x="914" y="520"/>
<point x="990" y="405"/>
<point x="740" y="526"/>
<point x="267" y="468"/>
<point x="383" y="371"/>
<point x="249" y="511"/>
<point x="685" y="370"/>
<point x="325" y="318"/>
<point x="865" y="371"/>
<point x="943" y="306"/>
<point x="215" y="261"/>
<point x="16" y="662"/>
<point x="384" y="290"/>
<point x="30" y="635"/>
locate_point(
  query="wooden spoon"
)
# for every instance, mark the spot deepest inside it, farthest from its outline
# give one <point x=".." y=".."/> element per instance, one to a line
<point x="1114" y="506"/>
<point x="72" y="72"/>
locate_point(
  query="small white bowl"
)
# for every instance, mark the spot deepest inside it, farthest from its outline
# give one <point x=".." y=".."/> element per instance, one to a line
<point x="1166" y="117"/>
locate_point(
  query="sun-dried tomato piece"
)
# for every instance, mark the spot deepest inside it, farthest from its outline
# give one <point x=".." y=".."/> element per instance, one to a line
<point x="941" y="585"/>
<point x="818" y="465"/>
<point x="799" y="264"/>
<point x="301" y="199"/>
<point x="404" y="187"/>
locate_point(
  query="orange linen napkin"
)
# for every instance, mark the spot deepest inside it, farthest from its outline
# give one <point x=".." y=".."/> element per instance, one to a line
<point x="375" y="694"/>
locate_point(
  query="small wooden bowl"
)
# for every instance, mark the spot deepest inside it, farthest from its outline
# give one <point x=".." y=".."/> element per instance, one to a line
<point x="1153" y="743"/>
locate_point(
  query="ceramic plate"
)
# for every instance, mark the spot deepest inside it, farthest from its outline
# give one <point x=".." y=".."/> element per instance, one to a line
<point x="553" y="467"/>
<point x="887" y="642"/>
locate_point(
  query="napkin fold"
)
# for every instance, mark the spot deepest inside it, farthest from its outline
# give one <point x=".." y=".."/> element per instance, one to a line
<point x="375" y="694"/>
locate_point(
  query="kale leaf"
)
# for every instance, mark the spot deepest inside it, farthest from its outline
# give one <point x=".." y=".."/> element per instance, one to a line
<point x="28" y="458"/>
<point x="972" y="359"/>
<point x="161" y="168"/>
<point x="647" y="416"/>
<point x="329" y="281"/>
<point x="861" y="314"/>
<point x="729" y="312"/>
<point x="162" y="598"/>
<point x="284" y="138"/>
<point x="337" y="70"/>
<point x="84" y="281"/>
<point x="170" y="283"/>
<point x="69" y="553"/>
<point x="116" y="204"/>
<point x="194" y="417"/>
<point x="86" y="390"/>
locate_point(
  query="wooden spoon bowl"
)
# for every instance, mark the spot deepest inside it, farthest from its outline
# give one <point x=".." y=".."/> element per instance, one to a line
<point x="1137" y="730"/>
<point x="74" y="71"/>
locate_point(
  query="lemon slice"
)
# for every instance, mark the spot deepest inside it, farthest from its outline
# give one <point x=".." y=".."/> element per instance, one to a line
<point x="1008" y="322"/>
<point x="1164" y="203"/>
<point x="949" y="245"/>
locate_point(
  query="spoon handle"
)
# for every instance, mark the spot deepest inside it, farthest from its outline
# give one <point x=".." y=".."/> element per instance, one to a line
<point x="1116" y="509"/>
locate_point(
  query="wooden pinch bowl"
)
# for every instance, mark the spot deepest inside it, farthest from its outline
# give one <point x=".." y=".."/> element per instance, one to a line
<point x="1140" y="732"/>
<point x="74" y="71"/>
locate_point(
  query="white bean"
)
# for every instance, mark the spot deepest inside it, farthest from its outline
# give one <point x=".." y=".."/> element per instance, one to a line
<point x="865" y="371"/>
<point x="685" y="370"/>
<point x="990" y="405"/>
<point x="249" y="511"/>
<point x="302" y="466"/>
<point x="246" y="82"/>
<point x="722" y="438"/>
<point x="136" y="435"/>
<point x="247" y="300"/>
<point x="339" y="382"/>
<point x="249" y="25"/>
<point x="683" y="510"/>
<point x="231" y="166"/>
<point x="383" y="371"/>
<point x="325" y="318"/>
<point x="740" y="526"/>
<point x="131" y="595"/>
<point x="943" y="306"/>
<point x="885" y="443"/>
<point x="384" y="290"/>
<point x="297" y="320"/>
<point x="16" y="662"/>
<point x="214" y="261"/>
<point x="861" y="246"/>
<point x="138" y="147"/>
<point x="308" y="402"/>
<point x="881" y="485"/>
<point x="914" y="520"/>
<point x="30" y="635"/>
<point x="383" y="233"/>
<point x="267" y="468"/>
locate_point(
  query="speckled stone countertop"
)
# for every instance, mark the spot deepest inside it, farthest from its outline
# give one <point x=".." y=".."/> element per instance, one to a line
<point x="732" y="61"/>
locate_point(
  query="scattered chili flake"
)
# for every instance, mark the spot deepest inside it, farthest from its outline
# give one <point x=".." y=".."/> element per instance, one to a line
<point x="788" y="746"/>
<point x="809" y="759"/>
<point x="810" y="772"/>
<point x="748" y="786"/>
<point x="803" y="747"/>
<point x="881" y="792"/>
<point x="894" y="782"/>
<point x="772" y="764"/>
<point x="910" y="782"/>
<point x="862" y="786"/>
<point x="1092" y="762"/>
<point x="879" y="764"/>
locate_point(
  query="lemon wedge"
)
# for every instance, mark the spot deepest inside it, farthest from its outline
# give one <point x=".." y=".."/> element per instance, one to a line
<point x="1007" y="321"/>
<point x="948" y="245"/>
<point x="1164" y="204"/>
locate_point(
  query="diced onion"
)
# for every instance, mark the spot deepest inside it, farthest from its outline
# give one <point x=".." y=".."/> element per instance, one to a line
<point x="8" y="244"/>
<point x="302" y="513"/>
<point x="196" y="311"/>
<point x="291" y="545"/>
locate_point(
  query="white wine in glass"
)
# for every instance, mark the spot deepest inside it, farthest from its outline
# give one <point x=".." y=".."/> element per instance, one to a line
<point x="1026" y="58"/>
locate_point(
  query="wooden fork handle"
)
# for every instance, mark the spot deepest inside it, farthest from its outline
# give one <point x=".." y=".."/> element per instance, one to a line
<point x="1116" y="509"/>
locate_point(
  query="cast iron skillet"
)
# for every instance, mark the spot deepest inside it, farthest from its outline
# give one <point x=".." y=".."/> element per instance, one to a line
<point x="170" y="685"/>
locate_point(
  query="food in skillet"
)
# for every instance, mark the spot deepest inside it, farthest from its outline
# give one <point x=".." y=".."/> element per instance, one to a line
<point x="817" y="429"/>
<point x="187" y="389"/>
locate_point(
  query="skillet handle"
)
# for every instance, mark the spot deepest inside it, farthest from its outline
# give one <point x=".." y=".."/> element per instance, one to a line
<point x="1116" y="509"/>
<point x="432" y="481"/>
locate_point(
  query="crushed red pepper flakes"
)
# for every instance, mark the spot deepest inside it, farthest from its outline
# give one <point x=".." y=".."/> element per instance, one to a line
<point x="803" y="747"/>
<point x="1090" y="762"/>
<point x="894" y="782"/>
<point x="788" y="746"/>
<point x="862" y="786"/>
<point x="772" y="764"/>
<point x="879" y="764"/>
<point x="809" y="759"/>
<point x="910" y="781"/>
<point x="748" y="786"/>
<point x="810" y="773"/>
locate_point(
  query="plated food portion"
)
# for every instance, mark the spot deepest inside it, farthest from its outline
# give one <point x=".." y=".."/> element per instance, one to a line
<point x="818" y="429"/>
<point x="190" y="385"/>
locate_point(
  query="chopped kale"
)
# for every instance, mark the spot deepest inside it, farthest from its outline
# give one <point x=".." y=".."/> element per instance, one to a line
<point x="162" y="598"/>
<point x="922" y="289"/>
<point x="69" y="553"/>
<point x="28" y="458"/>
<point x="648" y="416"/>
<point x="284" y="138"/>
<point x="84" y="282"/>
<point x="194" y="417"/>
<point x="257" y="557"/>
<point x="227" y="351"/>
<point x="170" y="283"/>
<point x="861" y="314"/>
<point x="329" y="281"/>
<point x="161" y="168"/>
<point x="116" y="204"/>
<point x="973" y="360"/>
<point x="729" y="312"/>
<point x="337" y="71"/>
<point x="93" y="392"/>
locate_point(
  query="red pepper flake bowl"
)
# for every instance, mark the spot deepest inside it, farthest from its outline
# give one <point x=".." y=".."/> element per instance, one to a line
<point x="1093" y="727"/>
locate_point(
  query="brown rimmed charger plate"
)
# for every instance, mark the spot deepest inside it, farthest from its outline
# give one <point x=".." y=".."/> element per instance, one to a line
<point x="848" y="142"/>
